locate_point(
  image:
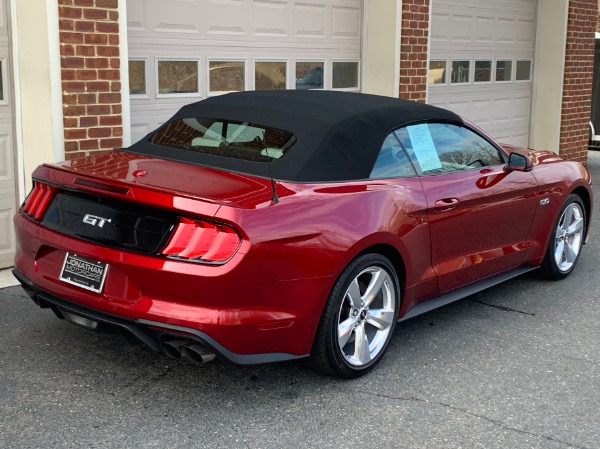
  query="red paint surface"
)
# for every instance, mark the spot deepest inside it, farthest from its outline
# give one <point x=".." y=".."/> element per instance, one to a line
<point x="269" y="296"/>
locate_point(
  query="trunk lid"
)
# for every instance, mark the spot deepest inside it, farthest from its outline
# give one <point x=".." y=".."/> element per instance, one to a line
<point x="207" y="184"/>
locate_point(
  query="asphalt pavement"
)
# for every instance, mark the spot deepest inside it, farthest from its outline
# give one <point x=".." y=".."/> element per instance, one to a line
<point x="516" y="366"/>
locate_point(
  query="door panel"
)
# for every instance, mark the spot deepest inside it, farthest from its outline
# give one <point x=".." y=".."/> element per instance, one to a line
<point x="479" y="221"/>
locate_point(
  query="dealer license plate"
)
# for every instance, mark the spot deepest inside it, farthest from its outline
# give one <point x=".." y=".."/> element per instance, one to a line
<point x="83" y="272"/>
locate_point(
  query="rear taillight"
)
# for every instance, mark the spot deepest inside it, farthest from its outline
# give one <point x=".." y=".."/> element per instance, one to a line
<point x="37" y="201"/>
<point x="201" y="241"/>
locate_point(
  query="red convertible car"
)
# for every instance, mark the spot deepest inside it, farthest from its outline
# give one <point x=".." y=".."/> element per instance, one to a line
<point x="269" y="226"/>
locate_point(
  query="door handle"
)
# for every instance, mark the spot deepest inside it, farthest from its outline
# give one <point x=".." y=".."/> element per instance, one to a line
<point x="446" y="203"/>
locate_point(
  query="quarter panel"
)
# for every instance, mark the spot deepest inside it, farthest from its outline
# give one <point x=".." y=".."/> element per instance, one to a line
<point x="311" y="229"/>
<point x="316" y="230"/>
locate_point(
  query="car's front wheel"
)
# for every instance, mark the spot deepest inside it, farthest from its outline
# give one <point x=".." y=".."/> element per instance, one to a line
<point x="359" y="318"/>
<point x="566" y="240"/>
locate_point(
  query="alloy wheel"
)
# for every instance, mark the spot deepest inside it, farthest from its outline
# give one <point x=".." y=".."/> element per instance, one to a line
<point x="569" y="237"/>
<point x="366" y="316"/>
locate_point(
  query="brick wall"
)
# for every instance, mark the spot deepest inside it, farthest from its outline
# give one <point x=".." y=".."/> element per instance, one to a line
<point x="414" y="41"/>
<point x="579" y="70"/>
<point x="91" y="86"/>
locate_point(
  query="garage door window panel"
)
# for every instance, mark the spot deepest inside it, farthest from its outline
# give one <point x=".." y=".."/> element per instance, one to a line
<point x="483" y="72"/>
<point x="270" y="75"/>
<point x="461" y="72"/>
<point x="178" y="77"/>
<point x="437" y="148"/>
<point x="523" y="72"/>
<point x="393" y="161"/>
<point x="137" y="78"/>
<point x="504" y="71"/>
<point x="487" y="30"/>
<point x="437" y="72"/>
<point x="345" y="75"/>
<point x="226" y="76"/>
<point x="310" y="74"/>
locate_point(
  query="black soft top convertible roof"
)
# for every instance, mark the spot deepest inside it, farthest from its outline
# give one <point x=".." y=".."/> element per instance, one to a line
<point x="339" y="133"/>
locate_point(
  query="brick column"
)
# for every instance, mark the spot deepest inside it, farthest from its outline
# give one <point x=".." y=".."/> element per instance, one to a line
<point x="579" y="71"/>
<point x="91" y="78"/>
<point x="414" y="42"/>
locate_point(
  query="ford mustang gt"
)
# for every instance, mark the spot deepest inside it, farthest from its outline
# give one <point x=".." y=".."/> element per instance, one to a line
<point x="278" y="225"/>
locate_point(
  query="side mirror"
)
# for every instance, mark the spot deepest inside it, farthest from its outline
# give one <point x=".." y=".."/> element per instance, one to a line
<point x="518" y="162"/>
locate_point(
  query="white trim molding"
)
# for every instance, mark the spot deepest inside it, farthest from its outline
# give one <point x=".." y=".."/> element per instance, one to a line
<point x="381" y="60"/>
<point x="124" y="52"/>
<point x="38" y="90"/>
<point x="58" y="128"/>
<point x="548" y="75"/>
<point x="18" y="123"/>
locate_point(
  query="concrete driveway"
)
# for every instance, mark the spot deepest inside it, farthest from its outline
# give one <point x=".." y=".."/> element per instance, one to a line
<point x="517" y="366"/>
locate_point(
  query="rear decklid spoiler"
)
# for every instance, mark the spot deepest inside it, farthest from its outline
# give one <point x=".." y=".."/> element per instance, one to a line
<point x="138" y="173"/>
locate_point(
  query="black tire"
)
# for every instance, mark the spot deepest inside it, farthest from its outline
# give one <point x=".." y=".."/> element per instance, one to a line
<point x="343" y="326"/>
<point x="557" y="266"/>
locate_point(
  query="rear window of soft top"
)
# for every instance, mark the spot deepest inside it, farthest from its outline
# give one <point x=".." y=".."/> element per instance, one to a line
<point x="227" y="138"/>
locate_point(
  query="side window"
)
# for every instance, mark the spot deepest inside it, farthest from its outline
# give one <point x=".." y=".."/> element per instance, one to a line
<point x="443" y="148"/>
<point x="392" y="162"/>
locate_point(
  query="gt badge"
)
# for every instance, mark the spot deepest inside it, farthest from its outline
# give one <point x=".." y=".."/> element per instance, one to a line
<point x="545" y="202"/>
<point x="95" y="220"/>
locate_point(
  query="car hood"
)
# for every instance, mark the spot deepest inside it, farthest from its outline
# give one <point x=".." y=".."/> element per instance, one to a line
<point x="203" y="183"/>
<point x="536" y="157"/>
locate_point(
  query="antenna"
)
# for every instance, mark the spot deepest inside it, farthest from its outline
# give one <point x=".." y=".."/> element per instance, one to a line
<point x="274" y="198"/>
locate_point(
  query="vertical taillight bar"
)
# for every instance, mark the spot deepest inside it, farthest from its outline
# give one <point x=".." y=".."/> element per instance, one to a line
<point x="38" y="200"/>
<point x="32" y="197"/>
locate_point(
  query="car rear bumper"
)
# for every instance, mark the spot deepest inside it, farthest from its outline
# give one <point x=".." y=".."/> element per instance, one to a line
<point x="148" y="332"/>
<point x="237" y="309"/>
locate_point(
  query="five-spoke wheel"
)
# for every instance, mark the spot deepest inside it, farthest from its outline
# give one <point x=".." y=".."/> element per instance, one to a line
<point x="567" y="239"/>
<point x="367" y="314"/>
<point x="359" y="318"/>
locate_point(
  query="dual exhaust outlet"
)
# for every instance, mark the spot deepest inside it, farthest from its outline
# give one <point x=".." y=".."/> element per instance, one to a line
<point x="187" y="349"/>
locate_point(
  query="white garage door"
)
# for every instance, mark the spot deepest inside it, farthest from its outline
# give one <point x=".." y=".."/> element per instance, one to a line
<point x="481" y="63"/>
<point x="185" y="50"/>
<point x="7" y="172"/>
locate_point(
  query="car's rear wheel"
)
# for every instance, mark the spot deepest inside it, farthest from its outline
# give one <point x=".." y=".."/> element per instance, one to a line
<point x="359" y="318"/>
<point x="566" y="240"/>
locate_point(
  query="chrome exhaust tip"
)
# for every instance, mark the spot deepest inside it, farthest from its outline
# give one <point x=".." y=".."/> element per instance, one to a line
<point x="197" y="354"/>
<point x="173" y="347"/>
